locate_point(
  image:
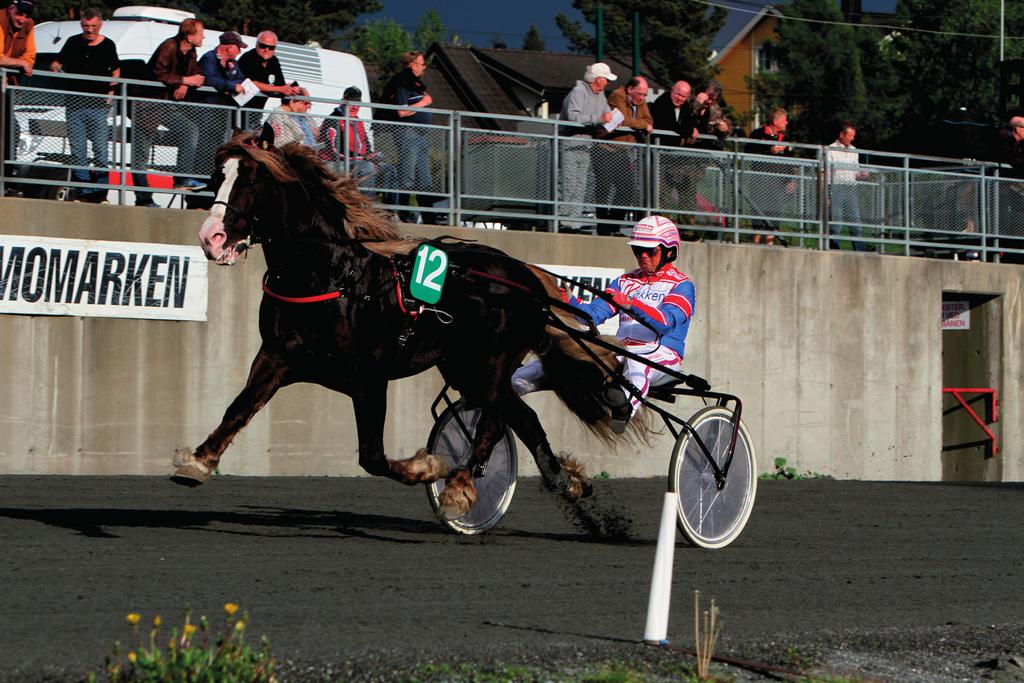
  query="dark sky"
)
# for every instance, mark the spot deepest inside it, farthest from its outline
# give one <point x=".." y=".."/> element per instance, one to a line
<point x="477" y="22"/>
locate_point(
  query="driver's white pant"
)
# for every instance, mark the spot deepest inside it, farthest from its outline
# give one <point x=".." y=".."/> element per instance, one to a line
<point x="530" y="377"/>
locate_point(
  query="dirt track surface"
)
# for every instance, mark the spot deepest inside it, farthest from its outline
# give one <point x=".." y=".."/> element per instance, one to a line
<point x="352" y="579"/>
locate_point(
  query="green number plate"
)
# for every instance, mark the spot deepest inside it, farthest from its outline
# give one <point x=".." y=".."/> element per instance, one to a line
<point x="428" y="273"/>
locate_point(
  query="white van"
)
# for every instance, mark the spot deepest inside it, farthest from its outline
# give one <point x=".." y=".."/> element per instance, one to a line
<point x="138" y="30"/>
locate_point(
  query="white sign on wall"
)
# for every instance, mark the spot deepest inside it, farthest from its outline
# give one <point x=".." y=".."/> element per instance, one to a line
<point x="597" y="278"/>
<point x="55" y="276"/>
<point x="956" y="315"/>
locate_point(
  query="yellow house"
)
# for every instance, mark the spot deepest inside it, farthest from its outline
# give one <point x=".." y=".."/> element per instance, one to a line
<point x="748" y="49"/>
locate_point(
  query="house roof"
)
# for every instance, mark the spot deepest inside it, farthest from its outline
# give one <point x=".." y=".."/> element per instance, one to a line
<point x="740" y="22"/>
<point x="457" y="80"/>
<point x="544" y="71"/>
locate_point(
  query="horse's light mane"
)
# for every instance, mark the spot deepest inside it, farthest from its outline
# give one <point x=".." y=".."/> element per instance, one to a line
<point x="295" y="162"/>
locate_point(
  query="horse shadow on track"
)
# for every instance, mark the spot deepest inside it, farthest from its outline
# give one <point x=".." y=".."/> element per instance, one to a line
<point x="250" y="521"/>
<point x="276" y="522"/>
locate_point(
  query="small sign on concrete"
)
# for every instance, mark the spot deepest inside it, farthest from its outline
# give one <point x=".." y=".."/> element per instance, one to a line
<point x="956" y="315"/>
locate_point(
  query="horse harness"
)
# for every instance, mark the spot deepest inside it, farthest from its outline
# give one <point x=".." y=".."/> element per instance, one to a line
<point x="401" y="270"/>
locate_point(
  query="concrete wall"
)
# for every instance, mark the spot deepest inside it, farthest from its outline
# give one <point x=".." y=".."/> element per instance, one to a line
<point x="837" y="357"/>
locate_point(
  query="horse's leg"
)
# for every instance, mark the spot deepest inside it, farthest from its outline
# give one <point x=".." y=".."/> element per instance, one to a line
<point x="265" y="378"/>
<point x="459" y="494"/>
<point x="562" y="474"/>
<point x="370" y="404"/>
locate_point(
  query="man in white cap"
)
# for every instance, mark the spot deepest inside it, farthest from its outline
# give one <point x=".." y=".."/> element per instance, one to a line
<point x="655" y="303"/>
<point x="585" y="104"/>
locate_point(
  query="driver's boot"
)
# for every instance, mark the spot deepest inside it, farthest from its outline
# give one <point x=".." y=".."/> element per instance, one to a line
<point x="621" y="408"/>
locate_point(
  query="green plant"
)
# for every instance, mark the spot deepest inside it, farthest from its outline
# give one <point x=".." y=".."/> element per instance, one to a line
<point x="785" y="471"/>
<point x="192" y="655"/>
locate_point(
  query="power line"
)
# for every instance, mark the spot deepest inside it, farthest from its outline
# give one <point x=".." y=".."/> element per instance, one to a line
<point x="829" y="22"/>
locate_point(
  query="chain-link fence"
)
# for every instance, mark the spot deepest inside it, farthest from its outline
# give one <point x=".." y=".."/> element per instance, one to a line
<point x="519" y="173"/>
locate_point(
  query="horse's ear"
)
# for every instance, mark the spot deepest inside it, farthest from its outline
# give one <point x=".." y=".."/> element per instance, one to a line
<point x="266" y="140"/>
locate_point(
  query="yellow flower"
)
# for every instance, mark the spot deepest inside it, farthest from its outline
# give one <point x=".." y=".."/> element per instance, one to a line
<point x="133" y="618"/>
<point x="240" y="626"/>
<point x="231" y="608"/>
<point x="156" y="620"/>
<point x="132" y="657"/>
<point x="189" y="629"/>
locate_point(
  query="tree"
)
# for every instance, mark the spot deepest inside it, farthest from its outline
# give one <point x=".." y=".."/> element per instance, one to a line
<point x="294" y="21"/>
<point x="675" y="37"/>
<point x="430" y="30"/>
<point x="820" y="92"/>
<point x="532" y="40"/>
<point x="381" y="43"/>
<point x="941" y="72"/>
<point x="893" y="84"/>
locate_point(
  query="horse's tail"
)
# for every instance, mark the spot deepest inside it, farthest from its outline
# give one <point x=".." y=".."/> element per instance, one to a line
<point x="579" y="372"/>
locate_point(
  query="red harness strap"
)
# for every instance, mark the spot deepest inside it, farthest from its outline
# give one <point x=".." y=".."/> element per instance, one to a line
<point x="316" y="298"/>
<point x="398" y="293"/>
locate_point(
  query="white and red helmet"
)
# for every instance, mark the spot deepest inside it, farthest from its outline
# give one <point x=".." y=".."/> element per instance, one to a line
<point x="653" y="231"/>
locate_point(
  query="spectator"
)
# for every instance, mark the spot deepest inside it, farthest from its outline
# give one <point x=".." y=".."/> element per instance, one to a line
<point x="92" y="54"/>
<point x="406" y="88"/>
<point x="1011" y="146"/>
<point x="17" y="51"/>
<point x="291" y="121"/>
<point x="587" y="105"/>
<point x="344" y="136"/>
<point x="844" y="172"/>
<point x="261" y="66"/>
<point x="1011" y="194"/>
<point x="18" y="39"/>
<point x="771" y="185"/>
<point x="175" y="66"/>
<point x="617" y="167"/>
<point x="673" y="111"/>
<point x="710" y="115"/>
<point x="221" y="71"/>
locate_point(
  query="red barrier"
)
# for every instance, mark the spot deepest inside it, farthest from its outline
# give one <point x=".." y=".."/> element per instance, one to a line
<point x="991" y="409"/>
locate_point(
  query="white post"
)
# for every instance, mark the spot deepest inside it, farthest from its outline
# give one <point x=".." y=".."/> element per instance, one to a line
<point x="656" y="631"/>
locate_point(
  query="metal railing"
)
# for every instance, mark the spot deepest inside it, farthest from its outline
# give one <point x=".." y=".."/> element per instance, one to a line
<point x="494" y="171"/>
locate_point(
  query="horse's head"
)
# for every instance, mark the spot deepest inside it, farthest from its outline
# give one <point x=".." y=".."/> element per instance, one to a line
<point x="247" y="171"/>
<point x="265" y="193"/>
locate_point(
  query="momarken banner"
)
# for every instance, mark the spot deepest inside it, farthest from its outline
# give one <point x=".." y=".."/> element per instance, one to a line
<point x="53" y="276"/>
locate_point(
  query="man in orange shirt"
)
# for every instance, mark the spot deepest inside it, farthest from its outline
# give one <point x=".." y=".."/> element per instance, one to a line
<point x="18" y="39"/>
<point x="17" y="51"/>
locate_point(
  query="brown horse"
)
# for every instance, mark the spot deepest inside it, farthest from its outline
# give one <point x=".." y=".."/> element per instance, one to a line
<point x="336" y="312"/>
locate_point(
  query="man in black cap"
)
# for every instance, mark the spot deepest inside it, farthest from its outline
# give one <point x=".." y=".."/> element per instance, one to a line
<point x="343" y="135"/>
<point x="221" y="71"/>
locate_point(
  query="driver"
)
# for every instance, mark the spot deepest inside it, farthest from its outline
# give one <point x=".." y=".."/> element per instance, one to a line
<point x="655" y="293"/>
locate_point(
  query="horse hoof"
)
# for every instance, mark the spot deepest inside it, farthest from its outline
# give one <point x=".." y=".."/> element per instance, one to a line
<point x="189" y="470"/>
<point x="422" y="468"/>
<point x="573" y="481"/>
<point x="454" y="502"/>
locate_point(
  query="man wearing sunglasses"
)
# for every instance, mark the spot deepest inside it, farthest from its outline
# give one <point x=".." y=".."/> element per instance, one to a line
<point x="261" y="66"/>
<point x="654" y="302"/>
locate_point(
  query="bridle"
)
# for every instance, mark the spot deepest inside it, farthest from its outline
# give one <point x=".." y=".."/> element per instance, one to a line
<point x="251" y="220"/>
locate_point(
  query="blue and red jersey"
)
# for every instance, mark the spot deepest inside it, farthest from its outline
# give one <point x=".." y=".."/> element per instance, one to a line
<point x="666" y="300"/>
